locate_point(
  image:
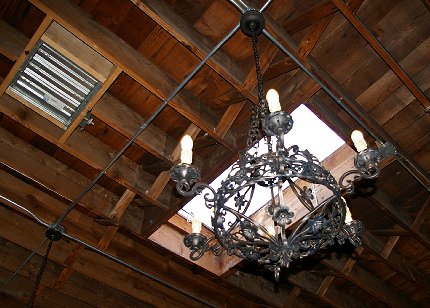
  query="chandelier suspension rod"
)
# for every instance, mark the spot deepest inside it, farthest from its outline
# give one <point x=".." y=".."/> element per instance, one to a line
<point x="97" y="250"/>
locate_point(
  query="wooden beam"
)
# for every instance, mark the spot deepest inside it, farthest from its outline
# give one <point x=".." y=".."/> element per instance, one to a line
<point x="23" y="56"/>
<point x="86" y="148"/>
<point x="180" y="29"/>
<point x="311" y="16"/>
<point x="292" y="297"/>
<point x="104" y="241"/>
<point x="12" y="43"/>
<point x="134" y="64"/>
<point x="325" y="285"/>
<point x="77" y="51"/>
<point x="397" y="262"/>
<point x="60" y="179"/>
<point x="305" y="47"/>
<point x="80" y="292"/>
<point x="366" y="281"/>
<point x="124" y="120"/>
<point x="334" y="296"/>
<point x="384" y="54"/>
<point x="228" y="118"/>
<point x="25" y="233"/>
<point x="395" y="212"/>
<point x="105" y="86"/>
<point x="389" y="246"/>
<point x="422" y="215"/>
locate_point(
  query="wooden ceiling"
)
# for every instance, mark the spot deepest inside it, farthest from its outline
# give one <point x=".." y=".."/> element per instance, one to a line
<point x="373" y="55"/>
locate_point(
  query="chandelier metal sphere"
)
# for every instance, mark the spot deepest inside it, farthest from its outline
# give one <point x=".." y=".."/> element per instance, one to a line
<point x="285" y="238"/>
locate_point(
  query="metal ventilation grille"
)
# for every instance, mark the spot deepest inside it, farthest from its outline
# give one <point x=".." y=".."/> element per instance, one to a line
<point x="55" y="84"/>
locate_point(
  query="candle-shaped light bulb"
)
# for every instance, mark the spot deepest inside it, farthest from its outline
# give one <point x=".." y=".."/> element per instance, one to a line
<point x="348" y="216"/>
<point x="358" y="140"/>
<point x="272" y="98"/>
<point x="186" y="150"/>
<point x="196" y="225"/>
<point x="271" y="230"/>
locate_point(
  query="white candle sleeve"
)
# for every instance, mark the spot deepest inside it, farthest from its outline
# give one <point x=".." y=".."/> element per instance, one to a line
<point x="186" y="150"/>
<point x="358" y="140"/>
<point x="272" y="98"/>
<point x="196" y="225"/>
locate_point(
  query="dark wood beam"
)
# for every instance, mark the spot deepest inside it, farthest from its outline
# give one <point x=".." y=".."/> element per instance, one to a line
<point x="180" y="29"/>
<point x="366" y="281"/>
<point x="22" y="231"/>
<point x="384" y="54"/>
<point x="86" y="148"/>
<point x="134" y="64"/>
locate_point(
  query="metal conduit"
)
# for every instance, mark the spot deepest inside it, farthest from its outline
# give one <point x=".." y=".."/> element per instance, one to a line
<point x="97" y="250"/>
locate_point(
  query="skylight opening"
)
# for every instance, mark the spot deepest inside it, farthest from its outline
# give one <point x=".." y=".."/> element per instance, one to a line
<point x="54" y="84"/>
<point x="308" y="132"/>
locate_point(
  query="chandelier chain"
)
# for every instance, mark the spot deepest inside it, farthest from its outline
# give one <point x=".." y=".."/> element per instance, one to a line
<point x="260" y="110"/>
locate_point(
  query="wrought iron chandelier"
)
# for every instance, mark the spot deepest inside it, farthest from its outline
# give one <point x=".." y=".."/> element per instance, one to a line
<point x="277" y="244"/>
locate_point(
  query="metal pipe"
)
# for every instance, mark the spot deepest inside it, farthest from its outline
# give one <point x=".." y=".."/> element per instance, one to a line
<point x="242" y="7"/>
<point x="72" y="205"/>
<point x="239" y="5"/>
<point x="97" y="250"/>
<point x="19" y="268"/>
<point x="137" y="269"/>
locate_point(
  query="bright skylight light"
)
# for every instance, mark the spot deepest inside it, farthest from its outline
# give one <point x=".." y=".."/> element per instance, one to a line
<point x="308" y="132"/>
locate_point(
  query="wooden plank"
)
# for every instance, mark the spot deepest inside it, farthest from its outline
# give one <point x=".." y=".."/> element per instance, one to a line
<point x="396" y="261"/>
<point x="26" y="234"/>
<point x="389" y="246"/>
<point x="394" y="211"/>
<point x="120" y="117"/>
<point x="325" y="285"/>
<point x="180" y="29"/>
<point x="228" y="118"/>
<point x="86" y="148"/>
<point x="23" y="56"/>
<point x="314" y="14"/>
<point x="12" y="43"/>
<point x="77" y="51"/>
<point x="366" y="281"/>
<point x="384" y="54"/>
<point x="105" y="86"/>
<point x="134" y="64"/>
<point x="292" y="297"/>
<point x="104" y="241"/>
<point x="347" y="99"/>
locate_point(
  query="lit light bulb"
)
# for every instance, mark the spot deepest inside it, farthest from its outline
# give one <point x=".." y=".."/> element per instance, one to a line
<point x="272" y="98"/>
<point x="186" y="149"/>
<point x="358" y="140"/>
<point x="271" y="230"/>
<point x="196" y="225"/>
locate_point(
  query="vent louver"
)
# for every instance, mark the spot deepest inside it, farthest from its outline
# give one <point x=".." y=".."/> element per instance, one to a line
<point x="54" y="84"/>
